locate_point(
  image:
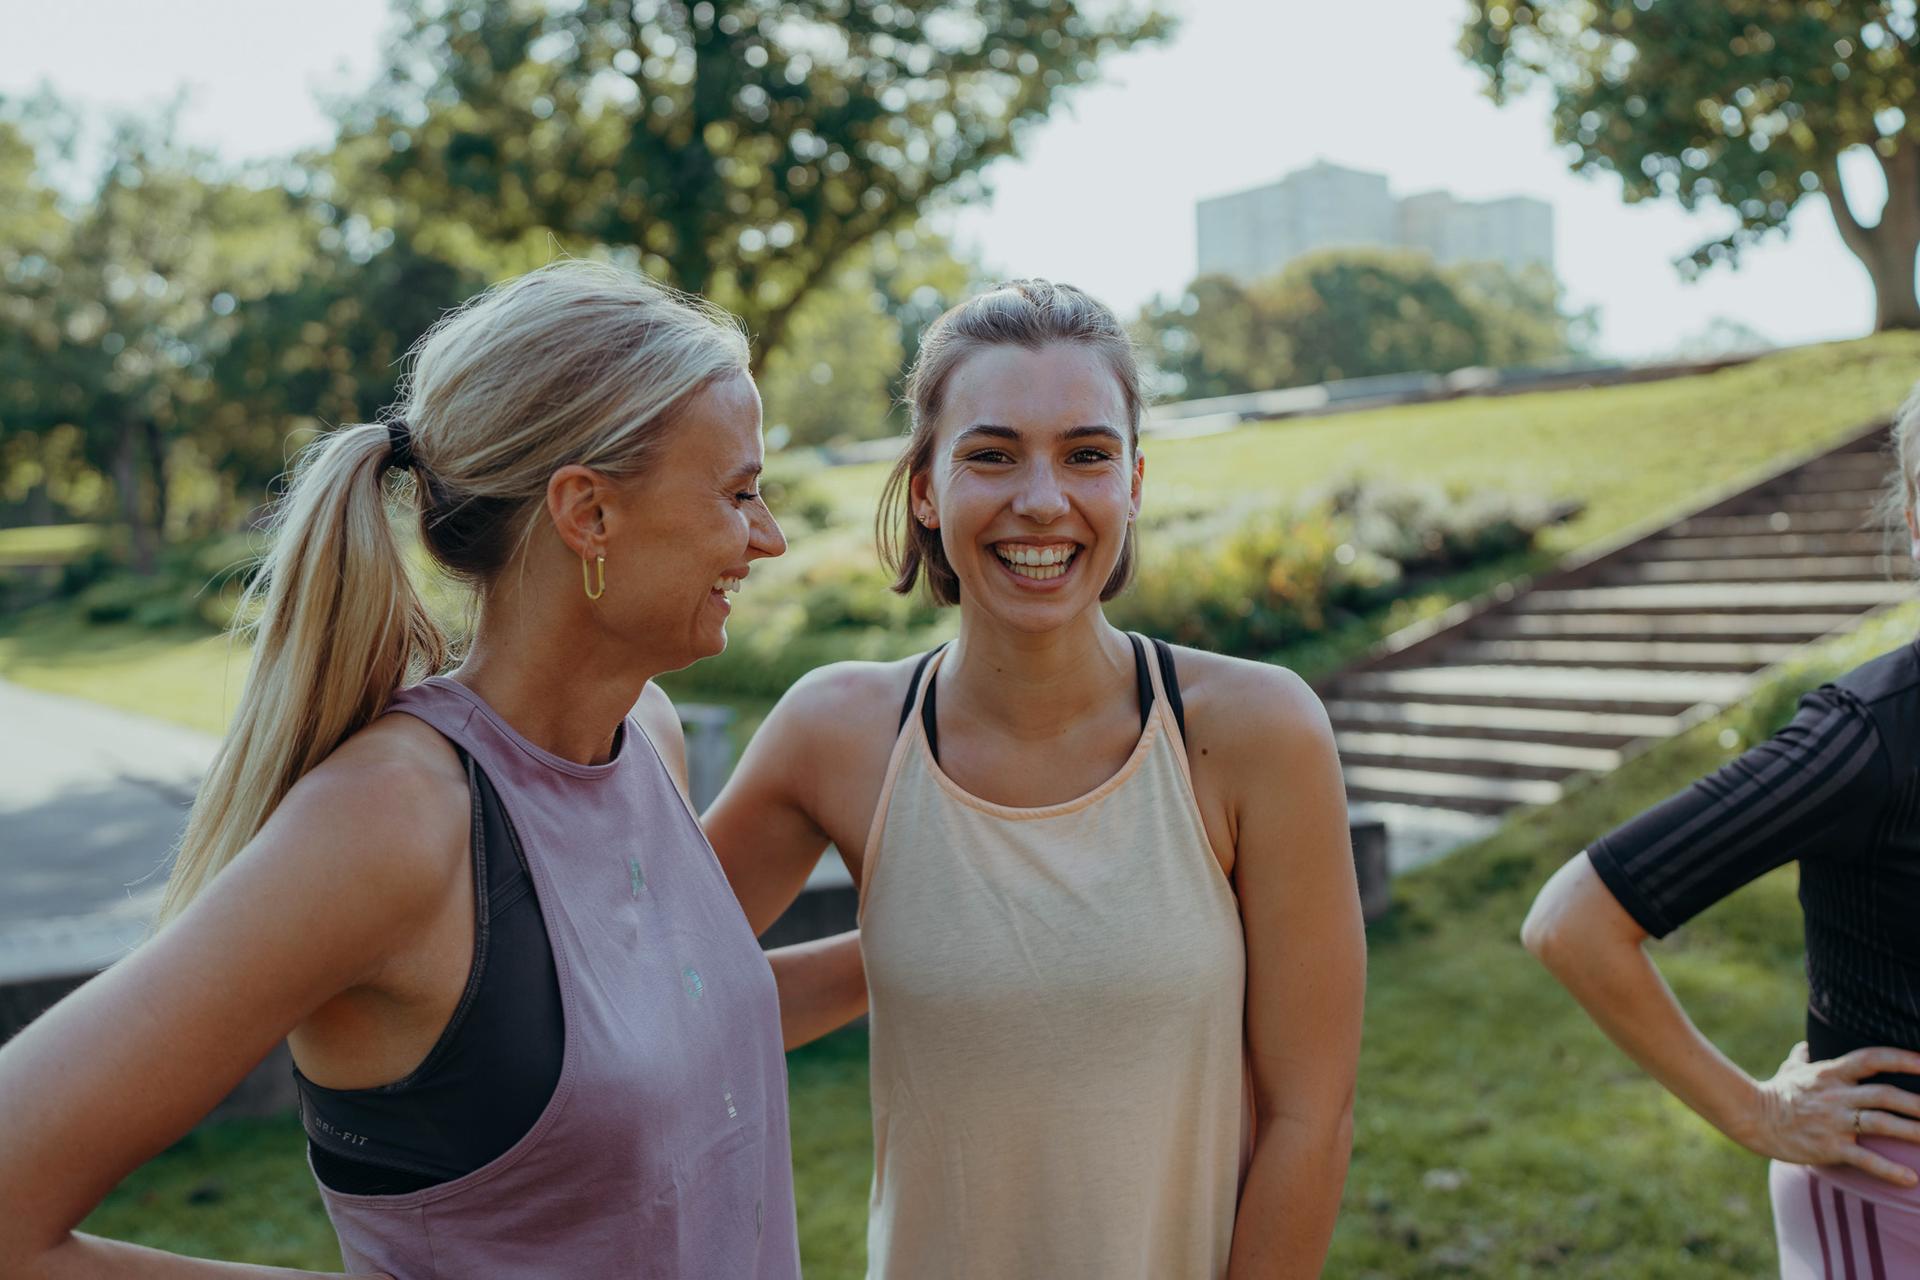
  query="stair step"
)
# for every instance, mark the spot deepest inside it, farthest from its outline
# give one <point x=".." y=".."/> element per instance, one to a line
<point x="1838" y="477"/>
<point x="1767" y="545"/>
<point x="1651" y="655"/>
<point x="1727" y="597"/>
<point x="1521" y="724"/>
<point x="1487" y="756"/>
<point x="1773" y="524"/>
<point x="1864" y="501"/>
<point x="1756" y="628"/>
<point x="1767" y="569"/>
<point x="1573" y="688"/>
<point x="1419" y="833"/>
<point x="1477" y="795"/>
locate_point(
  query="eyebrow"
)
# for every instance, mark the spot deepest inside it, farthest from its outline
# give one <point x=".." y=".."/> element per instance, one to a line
<point x="994" y="431"/>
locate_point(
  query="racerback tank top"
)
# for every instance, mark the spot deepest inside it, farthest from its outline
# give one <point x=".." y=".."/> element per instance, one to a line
<point x="663" y="1150"/>
<point x="1058" y="1073"/>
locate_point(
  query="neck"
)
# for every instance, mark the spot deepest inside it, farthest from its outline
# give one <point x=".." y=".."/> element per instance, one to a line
<point x="563" y="688"/>
<point x="1032" y="684"/>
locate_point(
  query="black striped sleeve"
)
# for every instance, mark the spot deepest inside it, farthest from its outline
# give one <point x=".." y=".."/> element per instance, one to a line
<point x="1814" y="787"/>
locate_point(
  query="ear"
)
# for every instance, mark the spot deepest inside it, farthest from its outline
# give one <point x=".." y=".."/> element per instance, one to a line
<point x="1139" y="483"/>
<point x="1913" y="530"/>
<point x="920" y="499"/>
<point x="575" y="503"/>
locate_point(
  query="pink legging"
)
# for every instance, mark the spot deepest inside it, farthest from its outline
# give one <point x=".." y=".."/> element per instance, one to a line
<point x="1836" y="1223"/>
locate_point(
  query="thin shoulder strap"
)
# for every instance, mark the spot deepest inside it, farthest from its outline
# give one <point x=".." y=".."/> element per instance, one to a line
<point x="1170" y="681"/>
<point x="913" y="686"/>
<point x="1143" y="683"/>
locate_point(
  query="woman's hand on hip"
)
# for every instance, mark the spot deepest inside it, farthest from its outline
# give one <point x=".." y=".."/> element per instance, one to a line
<point x="1816" y="1112"/>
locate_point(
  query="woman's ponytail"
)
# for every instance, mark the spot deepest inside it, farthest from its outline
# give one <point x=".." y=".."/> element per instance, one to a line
<point x="578" y="362"/>
<point x="337" y="627"/>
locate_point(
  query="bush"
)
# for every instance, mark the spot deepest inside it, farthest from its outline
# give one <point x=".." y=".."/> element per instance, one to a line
<point x="1249" y="583"/>
<point x="194" y="585"/>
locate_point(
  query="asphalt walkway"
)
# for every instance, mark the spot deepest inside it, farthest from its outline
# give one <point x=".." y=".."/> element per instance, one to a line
<point x="91" y="802"/>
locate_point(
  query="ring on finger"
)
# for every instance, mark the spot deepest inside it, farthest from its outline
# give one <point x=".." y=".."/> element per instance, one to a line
<point x="1856" y="1122"/>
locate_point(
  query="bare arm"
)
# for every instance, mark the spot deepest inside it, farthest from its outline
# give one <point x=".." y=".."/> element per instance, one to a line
<point x="823" y="983"/>
<point x="318" y="903"/>
<point x="1805" y="1114"/>
<point x="1306" y="977"/>
<point x="762" y="824"/>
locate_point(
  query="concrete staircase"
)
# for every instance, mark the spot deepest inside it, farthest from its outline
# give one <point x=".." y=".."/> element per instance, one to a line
<point x="1503" y="700"/>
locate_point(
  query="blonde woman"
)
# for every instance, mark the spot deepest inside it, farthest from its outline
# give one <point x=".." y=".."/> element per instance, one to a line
<point x="1838" y="792"/>
<point x="534" y="1034"/>
<point x="1110" y="923"/>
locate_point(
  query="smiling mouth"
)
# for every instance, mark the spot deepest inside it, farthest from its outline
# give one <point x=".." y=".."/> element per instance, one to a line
<point x="1039" y="564"/>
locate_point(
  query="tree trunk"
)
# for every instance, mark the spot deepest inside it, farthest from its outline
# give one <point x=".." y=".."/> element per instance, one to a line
<point x="157" y="472"/>
<point x="126" y="480"/>
<point x="1888" y="249"/>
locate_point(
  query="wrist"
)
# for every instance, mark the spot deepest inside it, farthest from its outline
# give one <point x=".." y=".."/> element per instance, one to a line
<point x="1745" y="1115"/>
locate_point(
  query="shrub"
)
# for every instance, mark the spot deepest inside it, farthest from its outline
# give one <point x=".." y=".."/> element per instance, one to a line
<point x="1250" y="582"/>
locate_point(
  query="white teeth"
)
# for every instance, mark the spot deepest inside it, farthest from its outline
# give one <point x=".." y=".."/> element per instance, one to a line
<point x="1038" y="563"/>
<point x="724" y="585"/>
<point x="1057" y="555"/>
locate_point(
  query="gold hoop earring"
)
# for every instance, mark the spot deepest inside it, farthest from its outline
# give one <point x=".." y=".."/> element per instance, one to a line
<point x="586" y="578"/>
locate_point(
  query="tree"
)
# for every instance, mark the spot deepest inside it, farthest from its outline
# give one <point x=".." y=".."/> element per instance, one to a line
<point x="119" y="323"/>
<point x="1354" y="313"/>
<point x="841" y="374"/>
<point x="742" y="149"/>
<point x="1743" y="103"/>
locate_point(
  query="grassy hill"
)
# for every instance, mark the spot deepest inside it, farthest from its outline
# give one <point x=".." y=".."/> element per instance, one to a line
<point x="1632" y="454"/>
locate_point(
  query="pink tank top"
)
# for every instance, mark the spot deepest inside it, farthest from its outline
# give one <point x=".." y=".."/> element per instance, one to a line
<point x="663" y="1151"/>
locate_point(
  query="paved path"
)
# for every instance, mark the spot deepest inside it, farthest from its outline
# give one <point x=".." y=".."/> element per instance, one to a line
<point x="91" y="802"/>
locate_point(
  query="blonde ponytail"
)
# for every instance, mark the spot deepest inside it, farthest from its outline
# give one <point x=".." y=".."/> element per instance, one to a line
<point x="577" y="362"/>
<point x="337" y="626"/>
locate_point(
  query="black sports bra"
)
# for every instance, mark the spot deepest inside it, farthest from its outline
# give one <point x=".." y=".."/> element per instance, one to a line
<point x="485" y="1082"/>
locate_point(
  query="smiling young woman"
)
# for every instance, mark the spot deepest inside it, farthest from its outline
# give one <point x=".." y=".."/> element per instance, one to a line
<point x="533" y="1034"/>
<point x="1110" y="925"/>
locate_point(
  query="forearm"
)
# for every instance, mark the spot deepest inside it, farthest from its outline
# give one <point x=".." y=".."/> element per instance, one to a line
<point x="1619" y="986"/>
<point x="83" y="1257"/>
<point x="1291" y="1198"/>
<point x="823" y="986"/>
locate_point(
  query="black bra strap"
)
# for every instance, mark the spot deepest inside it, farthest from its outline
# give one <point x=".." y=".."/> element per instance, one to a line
<point x="913" y="686"/>
<point x="1170" y="681"/>
<point x="1142" y="682"/>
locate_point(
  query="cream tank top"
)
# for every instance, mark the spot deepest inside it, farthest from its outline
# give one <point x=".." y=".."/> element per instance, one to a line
<point x="1058" y="1070"/>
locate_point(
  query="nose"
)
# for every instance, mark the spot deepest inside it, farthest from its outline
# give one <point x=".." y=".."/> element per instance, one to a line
<point x="1041" y="498"/>
<point x="766" y="539"/>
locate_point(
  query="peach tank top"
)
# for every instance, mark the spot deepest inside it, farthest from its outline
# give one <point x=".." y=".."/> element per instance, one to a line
<point x="1058" y="1070"/>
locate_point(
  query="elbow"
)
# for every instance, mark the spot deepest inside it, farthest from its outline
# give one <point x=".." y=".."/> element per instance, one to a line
<point x="1550" y="930"/>
<point x="1539" y="931"/>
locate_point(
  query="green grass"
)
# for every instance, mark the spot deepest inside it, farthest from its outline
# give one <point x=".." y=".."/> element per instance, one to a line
<point x="48" y="544"/>
<point x="1632" y="452"/>
<point x="184" y="676"/>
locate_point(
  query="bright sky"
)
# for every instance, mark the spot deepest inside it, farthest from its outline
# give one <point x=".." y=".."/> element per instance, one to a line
<point x="1104" y="196"/>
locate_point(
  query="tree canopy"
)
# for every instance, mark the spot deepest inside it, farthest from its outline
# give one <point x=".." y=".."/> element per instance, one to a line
<point x="741" y="149"/>
<point x="1354" y="313"/>
<point x="1746" y="104"/>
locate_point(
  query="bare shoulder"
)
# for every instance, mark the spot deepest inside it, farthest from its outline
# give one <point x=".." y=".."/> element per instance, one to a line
<point x="843" y="701"/>
<point x="1248" y="708"/>
<point x="659" y="717"/>
<point x="390" y="808"/>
